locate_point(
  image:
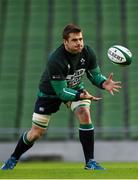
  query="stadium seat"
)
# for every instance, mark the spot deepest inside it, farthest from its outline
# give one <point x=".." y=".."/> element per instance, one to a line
<point x="31" y="30"/>
<point x="133" y="88"/>
<point x="10" y="66"/>
<point x="112" y="114"/>
<point x="35" y="57"/>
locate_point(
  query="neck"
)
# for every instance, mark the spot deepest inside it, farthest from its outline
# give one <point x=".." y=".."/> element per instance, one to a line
<point x="70" y="51"/>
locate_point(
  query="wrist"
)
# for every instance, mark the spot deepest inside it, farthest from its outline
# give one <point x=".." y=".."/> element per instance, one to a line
<point x="102" y="85"/>
<point x="78" y="96"/>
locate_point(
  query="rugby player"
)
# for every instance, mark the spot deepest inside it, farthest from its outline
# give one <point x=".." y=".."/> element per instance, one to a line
<point x="61" y="82"/>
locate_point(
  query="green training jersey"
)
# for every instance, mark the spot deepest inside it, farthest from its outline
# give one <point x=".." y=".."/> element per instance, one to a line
<point x="64" y="71"/>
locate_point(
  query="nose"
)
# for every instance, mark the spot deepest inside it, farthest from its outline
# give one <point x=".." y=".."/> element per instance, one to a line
<point x="78" y="42"/>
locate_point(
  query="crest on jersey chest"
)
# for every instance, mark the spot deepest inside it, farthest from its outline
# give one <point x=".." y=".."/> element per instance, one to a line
<point x="82" y="61"/>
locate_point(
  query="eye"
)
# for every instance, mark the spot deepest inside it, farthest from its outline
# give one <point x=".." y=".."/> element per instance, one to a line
<point x="74" y="40"/>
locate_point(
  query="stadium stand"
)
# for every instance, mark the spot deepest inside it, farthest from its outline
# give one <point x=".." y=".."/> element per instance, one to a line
<point x="133" y="81"/>
<point x="112" y="117"/>
<point x="10" y="64"/>
<point x="30" y="29"/>
<point x="35" y="57"/>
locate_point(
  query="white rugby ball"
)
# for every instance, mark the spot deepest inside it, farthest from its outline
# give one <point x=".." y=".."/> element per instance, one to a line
<point x="120" y="55"/>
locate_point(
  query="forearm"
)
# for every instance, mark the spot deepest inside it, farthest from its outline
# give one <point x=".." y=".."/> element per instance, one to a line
<point x="68" y="94"/>
<point x="96" y="77"/>
<point x="63" y="92"/>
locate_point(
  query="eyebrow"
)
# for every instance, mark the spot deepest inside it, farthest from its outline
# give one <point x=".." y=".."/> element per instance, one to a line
<point x="74" y="39"/>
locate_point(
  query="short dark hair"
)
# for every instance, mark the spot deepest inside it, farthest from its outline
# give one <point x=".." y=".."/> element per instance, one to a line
<point x="70" y="28"/>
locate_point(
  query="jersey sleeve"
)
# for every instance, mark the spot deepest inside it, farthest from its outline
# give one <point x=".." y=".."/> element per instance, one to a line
<point x="92" y="60"/>
<point x="63" y="92"/>
<point x="57" y="74"/>
<point x="94" y="73"/>
<point x="95" y="76"/>
<point x="56" y="71"/>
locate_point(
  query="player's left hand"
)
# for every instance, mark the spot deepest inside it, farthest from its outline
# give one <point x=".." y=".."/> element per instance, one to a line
<point x="110" y="85"/>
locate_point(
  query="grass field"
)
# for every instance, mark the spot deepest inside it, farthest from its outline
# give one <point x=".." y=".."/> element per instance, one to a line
<point x="55" y="170"/>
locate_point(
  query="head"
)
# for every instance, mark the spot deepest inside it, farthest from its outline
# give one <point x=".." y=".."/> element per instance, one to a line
<point x="73" y="39"/>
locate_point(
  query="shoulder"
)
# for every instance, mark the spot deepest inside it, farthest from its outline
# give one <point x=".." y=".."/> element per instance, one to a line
<point x="89" y="53"/>
<point x="87" y="49"/>
<point x="57" y="58"/>
<point x="91" y="56"/>
<point x="57" y="53"/>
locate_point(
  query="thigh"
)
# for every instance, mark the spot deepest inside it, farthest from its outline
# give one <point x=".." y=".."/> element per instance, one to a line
<point x="47" y="106"/>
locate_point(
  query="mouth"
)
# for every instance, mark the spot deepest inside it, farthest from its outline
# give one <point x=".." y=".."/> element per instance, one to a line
<point x="78" y="47"/>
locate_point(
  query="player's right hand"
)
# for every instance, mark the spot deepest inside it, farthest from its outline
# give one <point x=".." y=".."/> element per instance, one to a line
<point x="86" y="95"/>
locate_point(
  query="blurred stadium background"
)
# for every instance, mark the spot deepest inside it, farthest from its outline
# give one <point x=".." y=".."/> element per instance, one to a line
<point x="30" y="29"/>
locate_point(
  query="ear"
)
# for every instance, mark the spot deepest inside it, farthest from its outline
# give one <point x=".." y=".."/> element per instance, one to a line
<point x="64" y="41"/>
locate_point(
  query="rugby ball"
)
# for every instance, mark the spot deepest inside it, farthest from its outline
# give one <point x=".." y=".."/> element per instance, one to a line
<point x="119" y="55"/>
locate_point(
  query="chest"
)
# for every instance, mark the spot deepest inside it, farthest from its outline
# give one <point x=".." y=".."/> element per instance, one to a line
<point x="76" y="64"/>
<point x="76" y="69"/>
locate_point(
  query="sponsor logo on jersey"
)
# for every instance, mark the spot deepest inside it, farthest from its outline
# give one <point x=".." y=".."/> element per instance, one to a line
<point x="56" y="77"/>
<point x="74" y="79"/>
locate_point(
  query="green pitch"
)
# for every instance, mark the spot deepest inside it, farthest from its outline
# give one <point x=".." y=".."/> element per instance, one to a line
<point x="55" y="170"/>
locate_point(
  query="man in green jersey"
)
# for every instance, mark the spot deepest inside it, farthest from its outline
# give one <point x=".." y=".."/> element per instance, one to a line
<point x="61" y="82"/>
